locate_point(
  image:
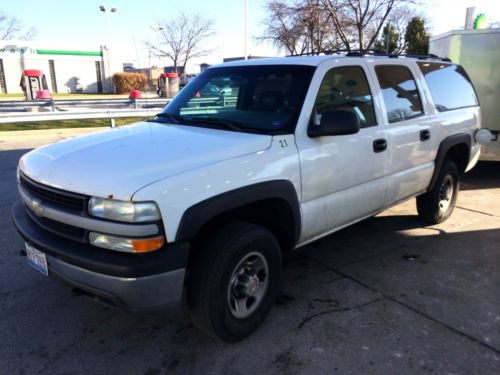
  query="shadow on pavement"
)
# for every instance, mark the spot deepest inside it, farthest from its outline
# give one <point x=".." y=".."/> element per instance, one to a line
<point x="8" y="184"/>
<point x="485" y="175"/>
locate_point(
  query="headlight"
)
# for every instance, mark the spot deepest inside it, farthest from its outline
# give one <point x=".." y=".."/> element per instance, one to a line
<point x="127" y="245"/>
<point x="132" y="212"/>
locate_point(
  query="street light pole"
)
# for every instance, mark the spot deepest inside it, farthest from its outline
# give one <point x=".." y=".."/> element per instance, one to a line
<point x="107" y="14"/>
<point x="246" y="13"/>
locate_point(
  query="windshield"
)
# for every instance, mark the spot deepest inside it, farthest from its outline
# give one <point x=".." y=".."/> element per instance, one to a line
<point x="263" y="99"/>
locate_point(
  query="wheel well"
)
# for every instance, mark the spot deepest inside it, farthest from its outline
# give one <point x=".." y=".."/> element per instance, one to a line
<point x="273" y="214"/>
<point x="459" y="154"/>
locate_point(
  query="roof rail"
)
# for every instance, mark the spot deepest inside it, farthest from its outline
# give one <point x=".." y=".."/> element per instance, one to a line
<point x="426" y="57"/>
<point x="371" y="52"/>
<point x="324" y="52"/>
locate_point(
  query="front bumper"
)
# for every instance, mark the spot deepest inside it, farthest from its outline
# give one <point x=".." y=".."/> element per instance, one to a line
<point x="136" y="282"/>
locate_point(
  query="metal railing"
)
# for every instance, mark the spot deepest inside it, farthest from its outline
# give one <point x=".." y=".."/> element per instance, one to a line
<point x="52" y="110"/>
<point x="57" y="110"/>
<point x="76" y="115"/>
<point x="57" y="105"/>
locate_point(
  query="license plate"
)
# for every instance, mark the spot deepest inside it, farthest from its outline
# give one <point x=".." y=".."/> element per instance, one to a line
<point x="37" y="259"/>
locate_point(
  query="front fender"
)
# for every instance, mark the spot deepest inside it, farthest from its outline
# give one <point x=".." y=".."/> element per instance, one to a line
<point x="201" y="213"/>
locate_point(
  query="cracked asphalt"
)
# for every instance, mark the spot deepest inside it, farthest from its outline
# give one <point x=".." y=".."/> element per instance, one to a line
<point x="385" y="296"/>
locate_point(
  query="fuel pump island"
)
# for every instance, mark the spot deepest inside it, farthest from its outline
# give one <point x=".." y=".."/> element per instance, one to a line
<point x="34" y="85"/>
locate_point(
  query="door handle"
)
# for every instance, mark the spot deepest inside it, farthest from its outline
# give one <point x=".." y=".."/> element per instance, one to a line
<point x="425" y="135"/>
<point x="379" y="145"/>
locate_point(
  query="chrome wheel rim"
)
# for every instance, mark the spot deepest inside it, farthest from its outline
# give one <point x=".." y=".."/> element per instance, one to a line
<point x="446" y="193"/>
<point x="248" y="285"/>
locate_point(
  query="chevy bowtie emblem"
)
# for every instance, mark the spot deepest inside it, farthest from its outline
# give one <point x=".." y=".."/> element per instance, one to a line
<point x="36" y="207"/>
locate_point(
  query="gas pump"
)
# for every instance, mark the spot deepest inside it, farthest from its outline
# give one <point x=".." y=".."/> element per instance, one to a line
<point x="162" y="85"/>
<point x="168" y="85"/>
<point x="34" y="85"/>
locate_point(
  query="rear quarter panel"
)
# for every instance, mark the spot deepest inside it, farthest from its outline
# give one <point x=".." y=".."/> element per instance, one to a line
<point x="444" y="124"/>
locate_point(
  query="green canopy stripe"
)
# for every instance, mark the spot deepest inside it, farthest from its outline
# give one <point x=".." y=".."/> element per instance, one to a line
<point x="68" y="53"/>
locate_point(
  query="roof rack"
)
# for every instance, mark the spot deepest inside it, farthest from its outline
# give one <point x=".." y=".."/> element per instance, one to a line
<point x="371" y="52"/>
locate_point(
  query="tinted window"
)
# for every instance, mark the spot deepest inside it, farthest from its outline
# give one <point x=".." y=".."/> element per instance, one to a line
<point x="345" y="87"/>
<point x="264" y="99"/>
<point x="400" y="92"/>
<point x="450" y="86"/>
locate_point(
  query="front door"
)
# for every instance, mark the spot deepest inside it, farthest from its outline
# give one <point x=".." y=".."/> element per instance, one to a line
<point x="342" y="176"/>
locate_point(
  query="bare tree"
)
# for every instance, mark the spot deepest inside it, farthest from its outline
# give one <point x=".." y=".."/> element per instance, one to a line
<point x="299" y="27"/>
<point x="316" y="26"/>
<point x="182" y="38"/>
<point x="11" y="28"/>
<point x="283" y="28"/>
<point x="321" y="36"/>
<point x="359" y="22"/>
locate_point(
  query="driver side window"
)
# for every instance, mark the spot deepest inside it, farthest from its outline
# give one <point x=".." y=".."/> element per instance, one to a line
<point x="345" y="88"/>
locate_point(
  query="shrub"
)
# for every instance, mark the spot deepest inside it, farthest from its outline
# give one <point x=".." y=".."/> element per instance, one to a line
<point x="124" y="82"/>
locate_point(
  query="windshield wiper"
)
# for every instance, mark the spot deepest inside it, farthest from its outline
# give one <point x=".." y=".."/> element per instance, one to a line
<point x="228" y="124"/>
<point x="176" y="119"/>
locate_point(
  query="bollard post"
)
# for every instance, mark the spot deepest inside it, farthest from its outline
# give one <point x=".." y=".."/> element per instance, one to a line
<point x="112" y="122"/>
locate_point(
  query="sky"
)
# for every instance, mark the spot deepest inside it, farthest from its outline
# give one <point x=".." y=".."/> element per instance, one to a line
<point x="81" y="21"/>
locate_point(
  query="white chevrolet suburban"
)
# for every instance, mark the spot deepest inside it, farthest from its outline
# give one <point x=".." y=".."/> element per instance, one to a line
<point x="199" y="204"/>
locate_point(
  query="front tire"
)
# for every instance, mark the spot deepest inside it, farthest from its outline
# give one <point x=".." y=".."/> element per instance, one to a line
<point x="436" y="205"/>
<point x="234" y="281"/>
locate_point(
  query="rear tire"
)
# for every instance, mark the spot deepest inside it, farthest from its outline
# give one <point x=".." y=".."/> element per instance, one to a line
<point x="437" y="204"/>
<point x="234" y="281"/>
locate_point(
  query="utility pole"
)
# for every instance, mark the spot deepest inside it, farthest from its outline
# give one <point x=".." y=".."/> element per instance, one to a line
<point x="387" y="35"/>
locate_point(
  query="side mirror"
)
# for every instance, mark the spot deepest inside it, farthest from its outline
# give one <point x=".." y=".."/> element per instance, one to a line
<point x="337" y="122"/>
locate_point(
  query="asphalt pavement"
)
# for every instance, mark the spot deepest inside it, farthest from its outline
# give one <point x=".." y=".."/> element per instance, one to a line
<point x="386" y="296"/>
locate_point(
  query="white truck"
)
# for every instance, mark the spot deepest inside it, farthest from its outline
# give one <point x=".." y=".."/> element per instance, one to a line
<point x="478" y="51"/>
<point x="200" y="203"/>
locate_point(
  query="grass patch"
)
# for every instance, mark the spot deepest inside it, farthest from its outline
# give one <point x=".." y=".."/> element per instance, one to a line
<point x="20" y="96"/>
<point x="66" y="124"/>
<point x="10" y="96"/>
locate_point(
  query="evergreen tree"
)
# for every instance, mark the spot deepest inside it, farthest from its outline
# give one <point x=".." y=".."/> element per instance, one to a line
<point x="416" y="37"/>
<point x="389" y="40"/>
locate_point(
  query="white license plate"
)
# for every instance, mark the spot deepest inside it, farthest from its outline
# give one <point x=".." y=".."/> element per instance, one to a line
<point x="37" y="259"/>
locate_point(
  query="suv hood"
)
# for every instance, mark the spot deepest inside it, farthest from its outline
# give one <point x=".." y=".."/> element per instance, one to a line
<point x="118" y="162"/>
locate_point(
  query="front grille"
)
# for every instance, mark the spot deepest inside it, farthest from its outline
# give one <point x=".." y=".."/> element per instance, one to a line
<point x="61" y="229"/>
<point x="59" y="198"/>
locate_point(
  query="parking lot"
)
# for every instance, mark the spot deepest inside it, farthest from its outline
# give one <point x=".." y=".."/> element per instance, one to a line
<point x="386" y="296"/>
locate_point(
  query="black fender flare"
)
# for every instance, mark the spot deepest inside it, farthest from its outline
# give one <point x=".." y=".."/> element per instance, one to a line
<point x="444" y="147"/>
<point x="196" y="216"/>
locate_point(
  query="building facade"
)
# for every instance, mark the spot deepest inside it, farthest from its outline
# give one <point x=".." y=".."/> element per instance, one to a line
<point x="68" y="68"/>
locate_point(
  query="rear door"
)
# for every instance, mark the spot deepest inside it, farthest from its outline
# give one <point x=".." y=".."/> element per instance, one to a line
<point x="342" y="176"/>
<point x="412" y="135"/>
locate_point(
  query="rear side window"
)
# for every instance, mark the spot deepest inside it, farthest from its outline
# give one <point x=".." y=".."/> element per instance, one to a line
<point x="399" y="91"/>
<point x="450" y="86"/>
